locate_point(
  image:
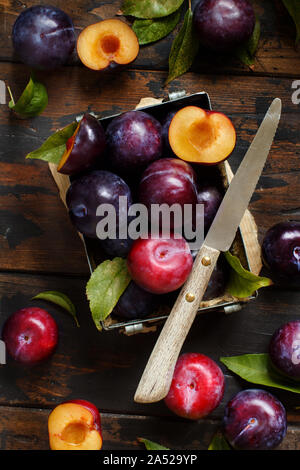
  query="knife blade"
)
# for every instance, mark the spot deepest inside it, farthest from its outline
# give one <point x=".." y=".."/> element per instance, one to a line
<point x="156" y="379"/>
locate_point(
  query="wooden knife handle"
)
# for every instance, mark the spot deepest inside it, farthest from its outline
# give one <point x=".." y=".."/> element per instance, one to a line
<point x="157" y="377"/>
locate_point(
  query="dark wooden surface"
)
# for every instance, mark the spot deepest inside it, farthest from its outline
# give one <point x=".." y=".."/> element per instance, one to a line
<point x="39" y="249"/>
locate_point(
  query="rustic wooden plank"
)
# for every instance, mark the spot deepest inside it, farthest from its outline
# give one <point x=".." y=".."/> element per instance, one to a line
<point x="105" y="367"/>
<point x="34" y="222"/>
<point x="26" y="429"/>
<point x="277" y="52"/>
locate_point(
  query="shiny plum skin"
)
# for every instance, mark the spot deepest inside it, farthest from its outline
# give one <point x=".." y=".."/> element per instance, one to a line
<point x="160" y="265"/>
<point x="197" y="386"/>
<point x="134" y="141"/>
<point x="211" y="197"/>
<point x="224" y="24"/>
<point x="30" y="335"/>
<point x="43" y="37"/>
<point x="284" y="350"/>
<point x="135" y="303"/>
<point x="88" y="192"/>
<point x="254" y="420"/>
<point x="168" y="181"/>
<point x="281" y="251"/>
<point x="89" y="145"/>
<point x="117" y="247"/>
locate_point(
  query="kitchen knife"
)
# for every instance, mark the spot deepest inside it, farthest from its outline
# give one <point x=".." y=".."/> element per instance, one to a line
<point x="157" y="377"/>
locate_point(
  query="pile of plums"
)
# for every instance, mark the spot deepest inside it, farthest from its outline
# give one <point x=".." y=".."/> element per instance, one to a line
<point x="136" y="156"/>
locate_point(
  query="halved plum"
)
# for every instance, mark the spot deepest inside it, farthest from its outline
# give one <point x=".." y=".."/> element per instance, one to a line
<point x="107" y="43"/>
<point x="200" y="136"/>
<point x="83" y="147"/>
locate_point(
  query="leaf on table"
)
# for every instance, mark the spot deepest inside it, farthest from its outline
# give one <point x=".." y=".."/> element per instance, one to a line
<point x="53" y="148"/>
<point x="243" y="283"/>
<point x="152" y="30"/>
<point x="246" y="52"/>
<point x="58" y="298"/>
<point x="293" y="7"/>
<point x="105" y="286"/>
<point x="219" y="442"/>
<point x="33" y="100"/>
<point x="150" y="8"/>
<point x="184" y="48"/>
<point x="257" y="369"/>
<point x="150" y="445"/>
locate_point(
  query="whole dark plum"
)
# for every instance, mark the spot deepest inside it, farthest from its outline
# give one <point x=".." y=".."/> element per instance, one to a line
<point x="254" y="420"/>
<point x="43" y="37"/>
<point x="117" y="247"/>
<point x="134" y="140"/>
<point x="281" y="251"/>
<point x="284" y="349"/>
<point x="88" y="192"/>
<point x="211" y="197"/>
<point x="135" y="303"/>
<point x="224" y="24"/>
<point x="168" y="181"/>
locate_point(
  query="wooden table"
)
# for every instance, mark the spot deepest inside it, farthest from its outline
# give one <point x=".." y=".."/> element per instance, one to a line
<point x="40" y="249"/>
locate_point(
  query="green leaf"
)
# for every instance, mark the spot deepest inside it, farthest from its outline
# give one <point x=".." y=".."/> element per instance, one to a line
<point x="243" y="283"/>
<point x="152" y="30"/>
<point x="257" y="369"/>
<point x="219" y="442"/>
<point x="150" y="8"/>
<point x="60" y="299"/>
<point x="184" y="48"/>
<point x="293" y="7"/>
<point x="246" y="52"/>
<point x="105" y="286"/>
<point x="150" y="445"/>
<point x="54" y="147"/>
<point x="33" y="100"/>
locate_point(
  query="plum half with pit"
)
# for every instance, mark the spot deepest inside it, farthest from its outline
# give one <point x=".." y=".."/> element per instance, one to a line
<point x="134" y="141"/>
<point x="168" y="181"/>
<point x="223" y="25"/>
<point x="135" y="303"/>
<point x="88" y="192"/>
<point x="254" y="420"/>
<point x="107" y="44"/>
<point x="281" y="252"/>
<point x="43" y="37"/>
<point x="84" y="147"/>
<point x="284" y="350"/>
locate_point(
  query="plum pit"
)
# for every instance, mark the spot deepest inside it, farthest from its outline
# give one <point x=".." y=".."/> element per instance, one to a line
<point x="110" y="44"/>
<point x="74" y="433"/>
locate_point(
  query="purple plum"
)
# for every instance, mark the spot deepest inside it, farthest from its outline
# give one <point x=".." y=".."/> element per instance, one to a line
<point x="168" y="181"/>
<point x="134" y="140"/>
<point x="284" y="350"/>
<point x="43" y="37"/>
<point x="224" y="24"/>
<point x="211" y="197"/>
<point x="254" y="420"/>
<point x="135" y="303"/>
<point x="281" y="251"/>
<point x="88" y="192"/>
